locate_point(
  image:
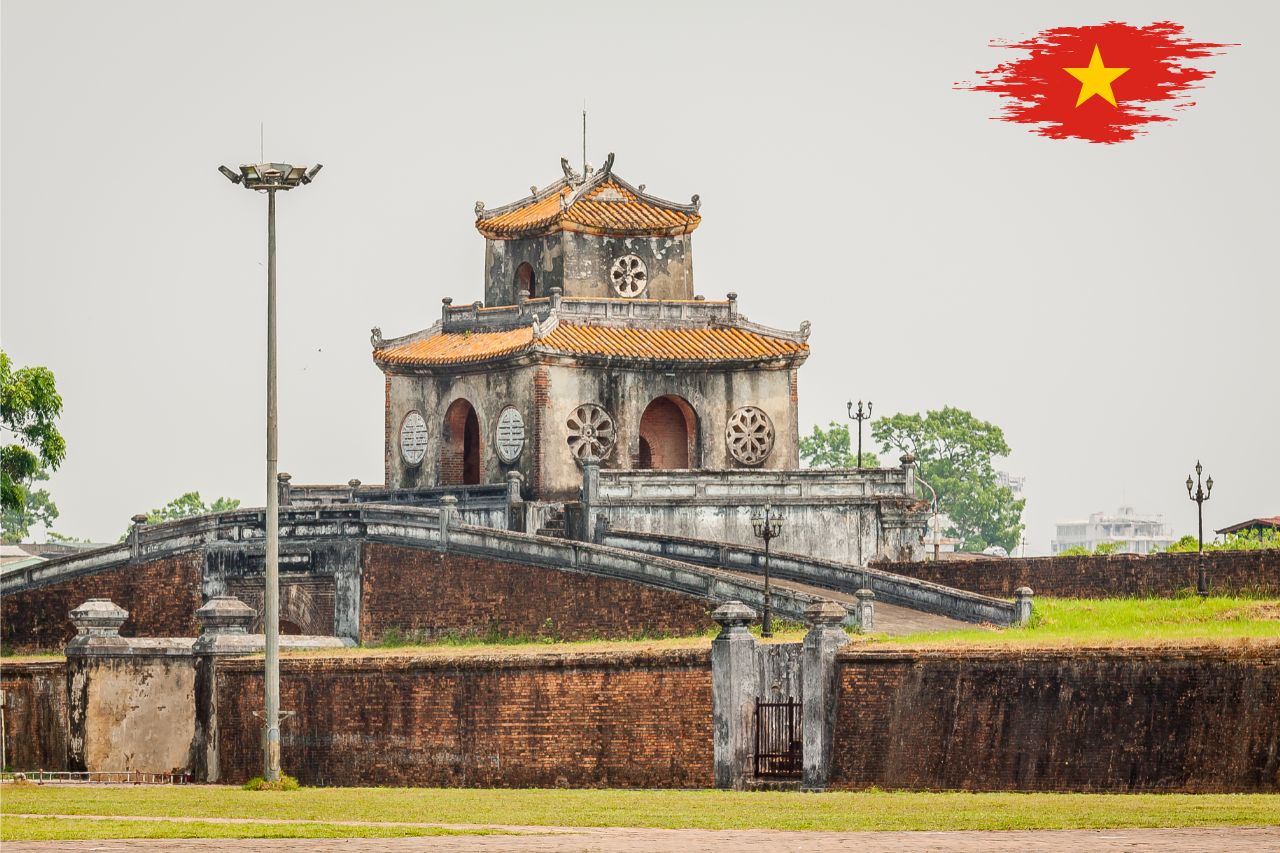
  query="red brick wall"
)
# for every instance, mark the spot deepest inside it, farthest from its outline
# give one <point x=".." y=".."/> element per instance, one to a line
<point x="621" y="720"/>
<point x="1229" y="572"/>
<point x="541" y="428"/>
<point x="161" y="596"/>
<point x="668" y="431"/>
<point x="35" y="714"/>
<point x="436" y="593"/>
<point x="1079" y="720"/>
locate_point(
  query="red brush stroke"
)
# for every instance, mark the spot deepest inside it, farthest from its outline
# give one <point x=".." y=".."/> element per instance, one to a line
<point x="1040" y="93"/>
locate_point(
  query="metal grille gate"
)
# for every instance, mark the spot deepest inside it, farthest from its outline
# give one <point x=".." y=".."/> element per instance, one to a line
<point x="779" y="740"/>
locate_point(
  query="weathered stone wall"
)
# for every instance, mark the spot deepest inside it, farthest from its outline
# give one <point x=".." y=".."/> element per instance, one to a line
<point x="138" y="710"/>
<point x="1196" y="720"/>
<point x="35" y="714"/>
<point x="546" y="395"/>
<point x="621" y="720"/>
<point x="668" y="262"/>
<point x="502" y="257"/>
<point x="161" y="596"/>
<point x="434" y="593"/>
<point x="1230" y="572"/>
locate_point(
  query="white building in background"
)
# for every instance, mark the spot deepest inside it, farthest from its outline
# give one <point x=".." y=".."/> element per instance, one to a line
<point x="1139" y="534"/>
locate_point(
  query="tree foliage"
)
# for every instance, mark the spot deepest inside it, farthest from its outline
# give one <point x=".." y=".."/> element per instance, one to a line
<point x="29" y="410"/>
<point x="830" y="448"/>
<point x="956" y="454"/>
<point x="38" y="508"/>
<point x="1245" y="540"/>
<point x="189" y="504"/>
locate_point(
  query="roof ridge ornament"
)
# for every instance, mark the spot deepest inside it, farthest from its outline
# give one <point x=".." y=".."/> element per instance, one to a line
<point x="570" y="174"/>
<point x="375" y="337"/>
<point x="608" y="165"/>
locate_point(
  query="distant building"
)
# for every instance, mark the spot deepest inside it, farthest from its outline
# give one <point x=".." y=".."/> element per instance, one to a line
<point x="1257" y="525"/>
<point x="1012" y="483"/>
<point x="1138" y="534"/>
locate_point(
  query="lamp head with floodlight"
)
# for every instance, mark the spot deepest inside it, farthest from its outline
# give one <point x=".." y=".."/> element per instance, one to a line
<point x="269" y="177"/>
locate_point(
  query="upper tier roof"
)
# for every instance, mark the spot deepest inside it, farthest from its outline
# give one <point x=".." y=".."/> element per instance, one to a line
<point x="706" y="344"/>
<point x="602" y="203"/>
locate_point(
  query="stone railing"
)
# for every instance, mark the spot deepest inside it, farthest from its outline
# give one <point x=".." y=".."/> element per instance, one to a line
<point x="888" y="587"/>
<point x="487" y="505"/>
<point x="844" y="515"/>
<point x="750" y="486"/>
<point x="421" y="527"/>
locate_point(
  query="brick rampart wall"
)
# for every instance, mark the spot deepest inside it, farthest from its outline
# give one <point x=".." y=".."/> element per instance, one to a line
<point x="436" y="593"/>
<point x="35" y="714"/>
<point x="1229" y="572"/>
<point x="619" y="720"/>
<point x="161" y="596"/>
<point x="1078" y="720"/>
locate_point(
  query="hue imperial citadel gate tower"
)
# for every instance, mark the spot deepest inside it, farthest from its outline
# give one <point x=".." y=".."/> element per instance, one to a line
<point x="590" y="343"/>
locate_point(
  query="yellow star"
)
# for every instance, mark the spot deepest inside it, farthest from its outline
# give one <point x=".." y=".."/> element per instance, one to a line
<point x="1096" y="79"/>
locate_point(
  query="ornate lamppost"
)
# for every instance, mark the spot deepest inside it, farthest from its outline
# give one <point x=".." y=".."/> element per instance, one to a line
<point x="767" y="524"/>
<point x="271" y="178"/>
<point x="1200" y="494"/>
<point x="860" y="417"/>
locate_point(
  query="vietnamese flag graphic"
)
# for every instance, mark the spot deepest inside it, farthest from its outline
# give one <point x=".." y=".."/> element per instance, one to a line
<point x="1101" y="83"/>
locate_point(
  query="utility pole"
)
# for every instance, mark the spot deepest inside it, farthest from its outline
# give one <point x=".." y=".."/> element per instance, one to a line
<point x="271" y="178"/>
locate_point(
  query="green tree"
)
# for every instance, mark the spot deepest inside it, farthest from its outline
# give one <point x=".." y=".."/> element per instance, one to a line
<point x="38" y="508"/>
<point x="956" y="453"/>
<point x="187" y="505"/>
<point x="829" y="448"/>
<point x="29" y="409"/>
<point x="1245" y="540"/>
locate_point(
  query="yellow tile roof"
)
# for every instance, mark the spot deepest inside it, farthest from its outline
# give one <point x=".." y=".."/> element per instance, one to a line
<point x="674" y="344"/>
<point x="610" y="207"/>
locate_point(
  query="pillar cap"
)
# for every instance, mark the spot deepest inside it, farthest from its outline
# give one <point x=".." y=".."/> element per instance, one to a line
<point x="825" y="612"/>
<point x="864" y="594"/>
<point x="284" y="476"/>
<point x="100" y="617"/>
<point x="733" y="614"/>
<point x="1023" y="591"/>
<point x="225" y="614"/>
<point x="140" y="518"/>
<point x="353" y="482"/>
<point x="449" y="500"/>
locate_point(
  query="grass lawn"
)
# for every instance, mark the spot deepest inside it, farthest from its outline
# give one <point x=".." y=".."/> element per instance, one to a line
<point x="702" y="809"/>
<point x="1122" y="621"/>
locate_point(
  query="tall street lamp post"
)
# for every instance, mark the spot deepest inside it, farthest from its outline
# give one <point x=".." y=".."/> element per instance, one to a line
<point x="767" y="524"/>
<point x="860" y="417"/>
<point x="1200" y="494"/>
<point x="271" y="178"/>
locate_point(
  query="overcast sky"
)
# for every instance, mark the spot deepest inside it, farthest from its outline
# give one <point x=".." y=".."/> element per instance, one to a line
<point x="1112" y="308"/>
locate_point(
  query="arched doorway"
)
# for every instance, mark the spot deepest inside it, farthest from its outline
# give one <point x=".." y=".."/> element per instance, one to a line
<point x="668" y="435"/>
<point x="525" y="280"/>
<point x="460" y="445"/>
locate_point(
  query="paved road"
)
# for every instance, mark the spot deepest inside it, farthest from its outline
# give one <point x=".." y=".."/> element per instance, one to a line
<point x="571" y="840"/>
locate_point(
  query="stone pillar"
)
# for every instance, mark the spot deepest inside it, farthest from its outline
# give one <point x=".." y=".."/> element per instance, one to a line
<point x="135" y="540"/>
<point x="865" y="610"/>
<point x="1022" y="606"/>
<point x="225" y="622"/>
<point x="590" y="496"/>
<point x="444" y="316"/>
<point x="448" y="510"/>
<point x="909" y="471"/>
<point x="818" y="670"/>
<point x="555" y="298"/>
<point x="733" y="304"/>
<point x="733" y="694"/>
<point x="354" y="485"/>
<point x="515" y="501"/>
<point x="283" y="488"/>
<point x="97" y="623"/>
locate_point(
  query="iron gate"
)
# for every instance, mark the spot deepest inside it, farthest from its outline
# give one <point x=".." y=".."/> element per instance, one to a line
<point x="779" y="740"/>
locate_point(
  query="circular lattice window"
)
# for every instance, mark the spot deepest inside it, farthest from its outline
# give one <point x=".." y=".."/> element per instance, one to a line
<point x="749" y="435"/>
<point x="413" y="438"/>
<point x="591" y="432"/>
<point x="628" y="276"/>
<point x="510" y="435"/>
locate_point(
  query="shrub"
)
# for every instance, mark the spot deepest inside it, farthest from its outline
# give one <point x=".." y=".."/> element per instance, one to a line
<point x="286" y="783"/>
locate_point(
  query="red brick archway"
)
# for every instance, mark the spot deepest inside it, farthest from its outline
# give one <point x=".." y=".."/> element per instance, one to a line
<point x="460" y="445"/>
<point x="526" y="281"/>
<point x="668" y="435"/>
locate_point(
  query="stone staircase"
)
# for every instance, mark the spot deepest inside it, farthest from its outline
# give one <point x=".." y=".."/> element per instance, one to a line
<point x="555" y="525"/>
